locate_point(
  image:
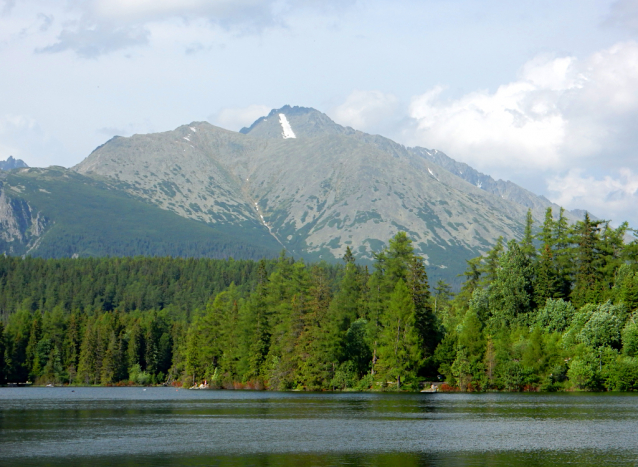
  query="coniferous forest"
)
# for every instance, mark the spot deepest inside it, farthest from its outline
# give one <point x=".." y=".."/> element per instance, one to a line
<point x="555" y="311"/>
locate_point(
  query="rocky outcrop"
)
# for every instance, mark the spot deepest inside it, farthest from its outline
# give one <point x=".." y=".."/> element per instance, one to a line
<point x="20" y="227"/>
<point x="12" y="163"/>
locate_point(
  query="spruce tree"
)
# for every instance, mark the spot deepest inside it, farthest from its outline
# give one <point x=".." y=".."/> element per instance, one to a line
<point x="425" y="321"/>
<point x="88" y="369"/>
<point x="612" y="257"/>
<point x="490" y="263"/>
<point x="527" y="243"/>
<point x="400" y="344"/>
<point x="545" y="280"/>
<point x="562" y="254"/>
<point x="472" y="277"/>
<point x="320" y="339"/>
<point x="587" y="261"/>
<point x="254" y="321"/>
<point x="546" y="235"/>
<point x="71" y="346"/>
<point x="348" y="301"/>
<point x="35" y="334"/>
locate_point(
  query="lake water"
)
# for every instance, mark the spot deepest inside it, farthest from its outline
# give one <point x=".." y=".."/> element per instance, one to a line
<point x="165" y="427"/>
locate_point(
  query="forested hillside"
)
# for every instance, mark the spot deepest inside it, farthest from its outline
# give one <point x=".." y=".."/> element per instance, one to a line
<point x="551" y="312"/>
<point x="57" y="213"/>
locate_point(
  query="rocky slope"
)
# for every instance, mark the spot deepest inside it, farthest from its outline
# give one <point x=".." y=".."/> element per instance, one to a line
<point x="318" y="187"/>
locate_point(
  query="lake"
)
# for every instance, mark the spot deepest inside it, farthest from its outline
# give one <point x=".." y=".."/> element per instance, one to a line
<point x="165" y="427"/>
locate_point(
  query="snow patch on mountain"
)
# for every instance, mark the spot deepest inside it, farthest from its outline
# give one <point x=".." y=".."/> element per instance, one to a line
<point x="285" y="126"/>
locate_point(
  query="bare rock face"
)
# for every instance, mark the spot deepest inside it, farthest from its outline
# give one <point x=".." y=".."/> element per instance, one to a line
<point x="318" y="187"/>
<point x="20" y="227"/>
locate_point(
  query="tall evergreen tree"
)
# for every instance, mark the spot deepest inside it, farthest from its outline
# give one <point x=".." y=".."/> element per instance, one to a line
<point x="320" y="340"/>
<point x="545" y="280"/>
<point x="33" y="360"/>
<point x="472" y="278"/>
<point x="89" y="368"/>
<point x="257" y="334"/>
<point x="546" y="235"/>
<point x="425" y="321"/>
<point x="587" y="260"/>
<point x="562" y="254"/>
<point x="527" y="243"/>
<point x="491" y="263"/>
<point x="400" y="344"/>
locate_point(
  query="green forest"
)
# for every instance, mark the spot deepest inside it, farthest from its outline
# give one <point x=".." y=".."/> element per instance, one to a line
<point x="552" y="312"/>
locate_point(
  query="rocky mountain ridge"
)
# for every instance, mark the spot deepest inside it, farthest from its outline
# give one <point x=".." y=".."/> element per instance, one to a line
<point x="318" y="187"/>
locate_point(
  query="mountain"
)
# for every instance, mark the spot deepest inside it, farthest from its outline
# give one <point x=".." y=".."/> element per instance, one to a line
<point x="12" y="163"/>
<point x="57" y="212"/>
<point x="315" y="187"/>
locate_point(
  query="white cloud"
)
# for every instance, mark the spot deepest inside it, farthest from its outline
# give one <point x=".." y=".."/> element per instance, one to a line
<point x="92" y="28"/>
<point x="257" y="13"/>
<point x="365" y="110"/>
<point x="236" y="118"/>
<point x="610" y="197"/>
<point x="96" y="40"/>
<point x="560" y="111"/>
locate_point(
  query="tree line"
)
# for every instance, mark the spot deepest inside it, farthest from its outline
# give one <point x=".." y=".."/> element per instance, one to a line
<point x="554" y="311"/>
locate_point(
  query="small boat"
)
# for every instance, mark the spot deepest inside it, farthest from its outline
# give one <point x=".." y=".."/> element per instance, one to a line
<point x="49" y="385"/>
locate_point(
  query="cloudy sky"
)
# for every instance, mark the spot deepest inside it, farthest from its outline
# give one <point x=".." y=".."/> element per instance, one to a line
<point x="542" y="93"/>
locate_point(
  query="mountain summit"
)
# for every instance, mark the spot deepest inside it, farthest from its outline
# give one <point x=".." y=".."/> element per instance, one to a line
<point x="303" y="122"/>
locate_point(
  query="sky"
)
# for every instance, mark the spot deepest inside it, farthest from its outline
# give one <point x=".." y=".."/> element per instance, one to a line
<point x="542" y="93"/>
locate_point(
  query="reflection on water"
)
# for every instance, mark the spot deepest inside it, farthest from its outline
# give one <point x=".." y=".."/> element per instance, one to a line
<point x="163" y="426"/>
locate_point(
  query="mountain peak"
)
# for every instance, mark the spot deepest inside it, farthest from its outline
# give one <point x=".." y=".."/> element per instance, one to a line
<point x="12" y="163"/>
<point x="294" y="122"/>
